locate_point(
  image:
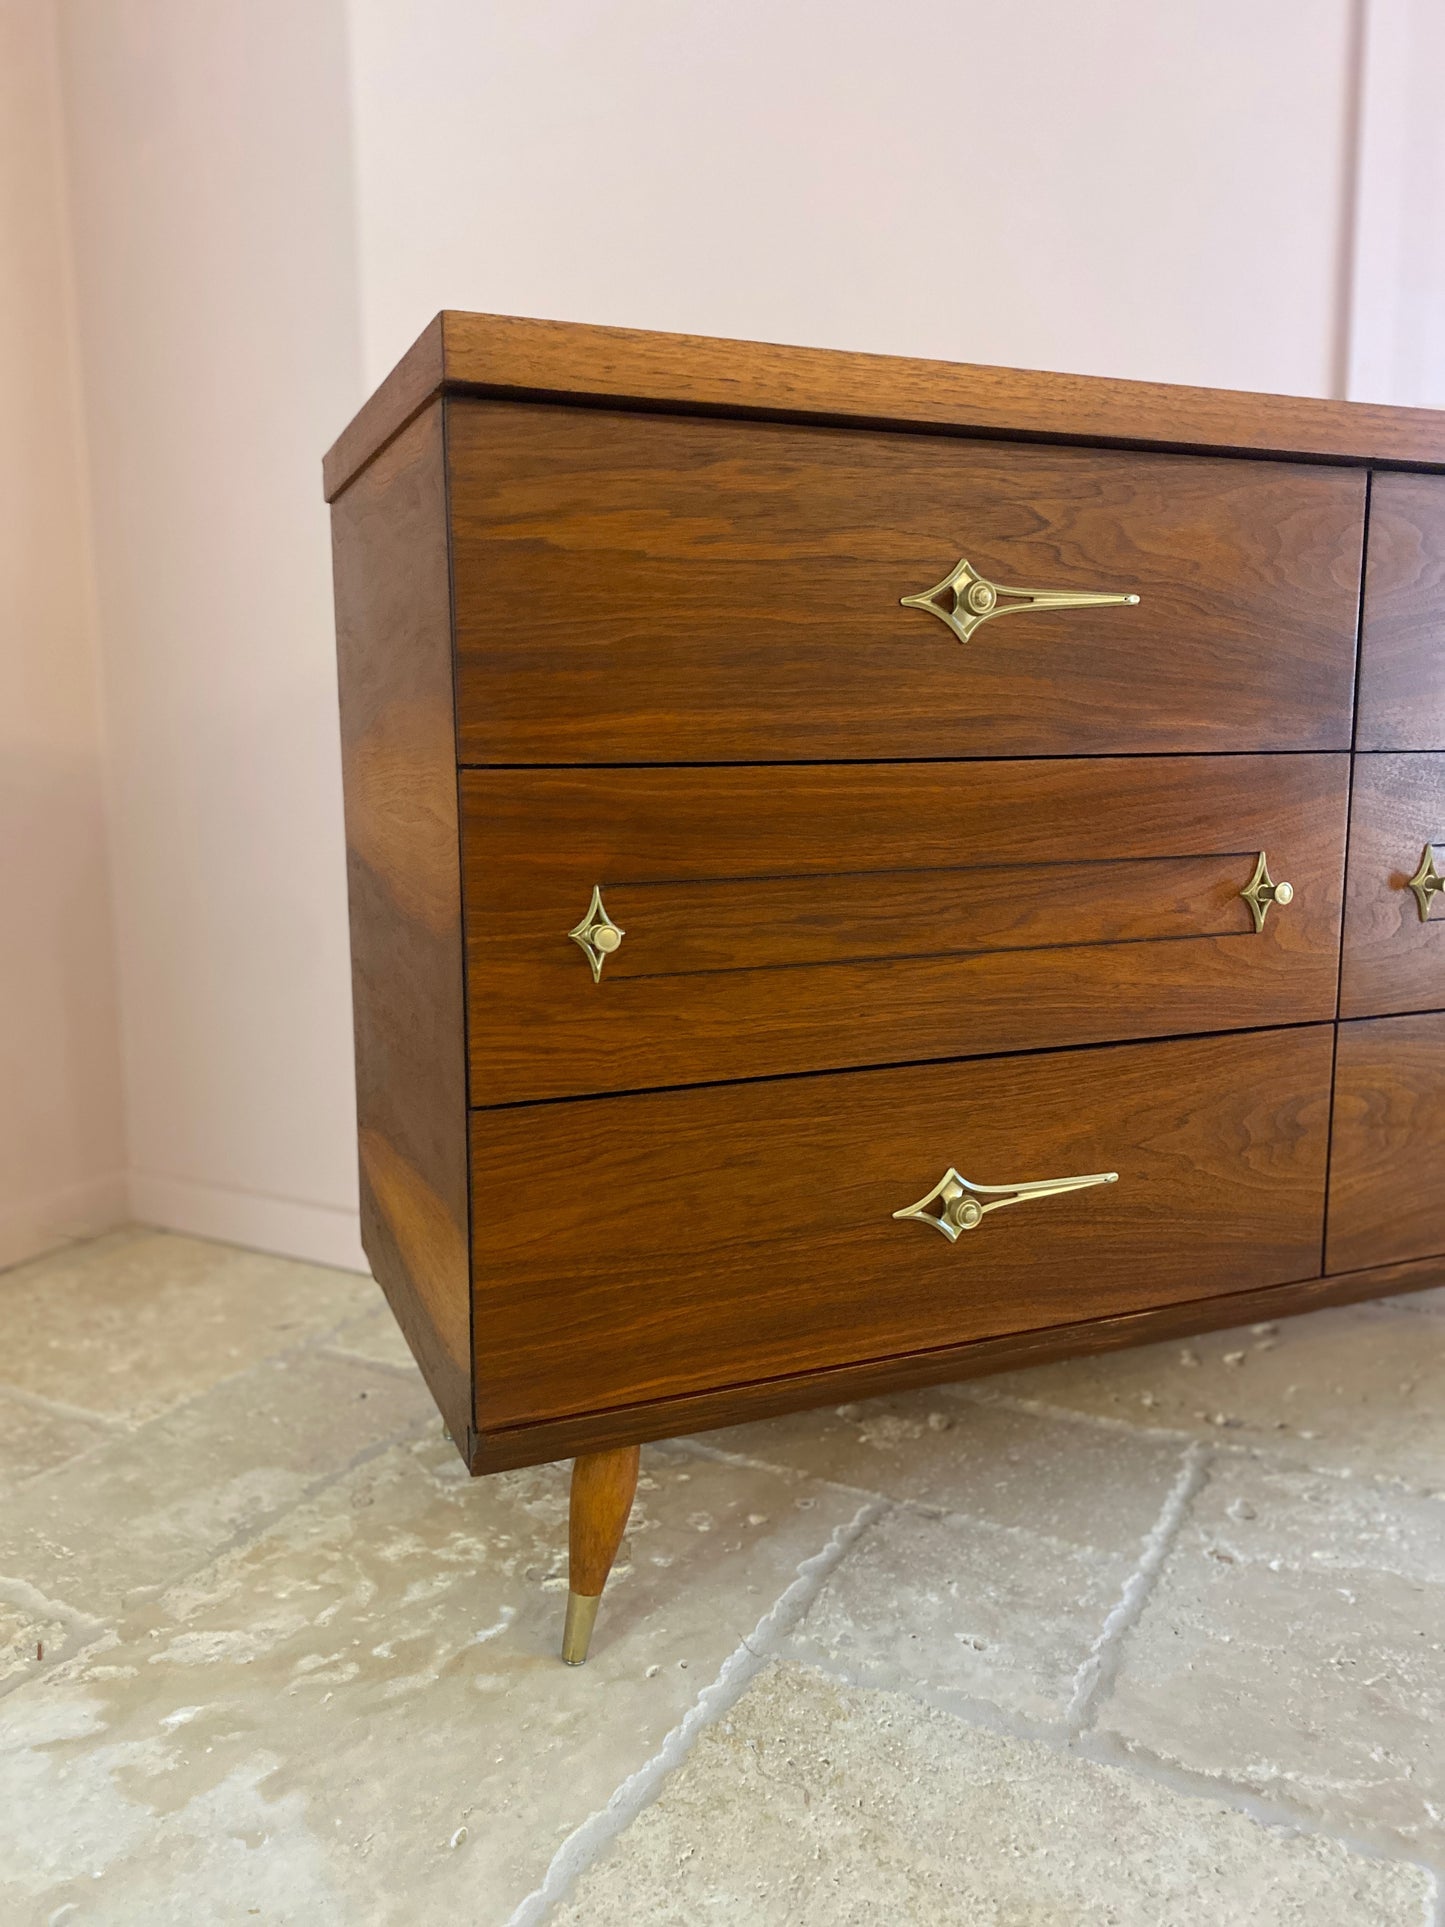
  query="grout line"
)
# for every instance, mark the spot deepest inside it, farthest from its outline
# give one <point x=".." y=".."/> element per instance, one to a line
<point x="1097" y="1673"/>
<point x="235" y="1541"/>
<point x="62" y="1408"/>
<point x="1135" y="1762"/>
<point x="970" y="1709"/>
<point x="935" y="1508"/>
<point x="1278" y="1815"/>
<point x="1260" y="1448"/>
<point x="66" y="1247"/>
<point x="121" y="1432"/>
<point x="586" y="1843"/>
<point x="82" y="1630"/>
<point x="979" y="1392"/>
<point x="408" y="1372"/>
<point x="1263" y="1449"/>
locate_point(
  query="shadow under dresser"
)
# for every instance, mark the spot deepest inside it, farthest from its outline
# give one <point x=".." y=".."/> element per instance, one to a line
<point x="865" y="872"/>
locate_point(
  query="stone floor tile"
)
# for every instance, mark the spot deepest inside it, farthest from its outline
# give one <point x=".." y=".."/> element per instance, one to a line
<point x="959" y="1606"/>
<point x="34" y="1440"/>
<point x="1047" y="1473"/>
<point x="1294" y="1645"/>
<point x="98" y="1532"/>
<point x="1433" y="1301"/>
<point x="361" y="1716"/>
<point x="814" y="1803"/>
<point x="137" y="1321"/>
<point x="1003" y="1598"/>
<point x="28" y="1633"/>
<point x="373" y="1334"/>
<point x="1353" y="1390"/>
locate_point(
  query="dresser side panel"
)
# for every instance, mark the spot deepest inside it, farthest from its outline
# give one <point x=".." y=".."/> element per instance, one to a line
<point x="393" y="622"/>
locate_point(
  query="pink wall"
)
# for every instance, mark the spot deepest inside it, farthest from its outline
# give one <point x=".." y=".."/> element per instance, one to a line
<point x="268" y="198"/>
<point x="62" y="1156"/>
<point x="212" y="217"/>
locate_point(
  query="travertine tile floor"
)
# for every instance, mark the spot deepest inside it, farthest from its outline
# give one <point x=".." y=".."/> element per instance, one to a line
<point x="1153" y="1640"/>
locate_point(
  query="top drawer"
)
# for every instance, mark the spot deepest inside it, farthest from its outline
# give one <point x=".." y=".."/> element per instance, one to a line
<point x="1402" y="648"/>
<point x="636" y="588"/>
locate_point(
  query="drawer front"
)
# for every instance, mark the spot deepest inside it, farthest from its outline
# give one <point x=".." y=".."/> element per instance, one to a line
<point x="651" y="589"/>
<point x="1402" y="641"/>
<point x="630" y="1248"/>
<point x="1395" y="900"/>
<point x="779" y="920"/>
<point x="1387" y="1156"/>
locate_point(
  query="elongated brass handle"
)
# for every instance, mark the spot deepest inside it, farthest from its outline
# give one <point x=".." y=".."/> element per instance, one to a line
<point x="1259" y="893"/>
<point x="1427" y="882"/>
<point x="976" y="600"/>
<point x="962" y="1205"/>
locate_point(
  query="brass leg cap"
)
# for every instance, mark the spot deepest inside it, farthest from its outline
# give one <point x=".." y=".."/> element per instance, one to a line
<point x="577" y="1634"/>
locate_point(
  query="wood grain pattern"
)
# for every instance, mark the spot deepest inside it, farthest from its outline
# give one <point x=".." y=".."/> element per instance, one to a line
<point x="1392" y="961"/>
<point x="634" y="1248"/>
<point x="807" y="918"/>
<point x="414" y="383"/>
<point x="393" y="623"/>
<point x="769" y="1398"/>
<point x="1387" y="1158"/>
<point x="603" y="1487"/>
<point x="1402" y="651"/>
<point x="634" y="589"/>
<point x="565" y="361"/>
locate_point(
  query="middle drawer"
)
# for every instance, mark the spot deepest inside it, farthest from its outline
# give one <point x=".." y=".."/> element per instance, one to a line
<point x="635" y="928"/>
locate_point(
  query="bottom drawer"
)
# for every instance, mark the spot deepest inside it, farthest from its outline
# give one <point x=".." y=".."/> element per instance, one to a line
<point x="632" y="1248"/>
<point x="1387" y="1164"/>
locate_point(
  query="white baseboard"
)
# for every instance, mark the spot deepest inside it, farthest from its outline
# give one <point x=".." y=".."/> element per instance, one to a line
<point x="321" y="1234"/>
<point x="77" y="1211"/>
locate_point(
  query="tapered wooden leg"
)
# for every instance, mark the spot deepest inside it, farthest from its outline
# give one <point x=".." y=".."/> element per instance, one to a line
<point x="603" y="1484"/>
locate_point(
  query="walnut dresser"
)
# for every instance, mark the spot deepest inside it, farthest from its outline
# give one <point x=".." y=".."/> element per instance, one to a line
<point x="869" y="871"/>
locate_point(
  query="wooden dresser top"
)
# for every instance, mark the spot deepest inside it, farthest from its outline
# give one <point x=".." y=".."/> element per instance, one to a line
<point x="483" y="354"/>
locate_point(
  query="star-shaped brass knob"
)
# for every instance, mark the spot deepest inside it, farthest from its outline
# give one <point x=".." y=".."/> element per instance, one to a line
<point x="1427" y="882"/>
<point x="1259" y="893"/>
<point x="597" y="936"/>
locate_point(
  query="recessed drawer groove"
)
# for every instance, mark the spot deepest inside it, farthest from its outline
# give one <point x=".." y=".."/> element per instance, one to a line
<point x="787" y="920"/>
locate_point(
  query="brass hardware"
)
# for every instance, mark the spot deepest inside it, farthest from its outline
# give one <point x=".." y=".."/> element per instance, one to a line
<point x="597" y="935"/>
<point x="577" y="1633"/>
<point x="976" y="600"/>
<point x="1259" y="893"/>
<point x="1427" y="882"/>
<point x="959" y="1200"/>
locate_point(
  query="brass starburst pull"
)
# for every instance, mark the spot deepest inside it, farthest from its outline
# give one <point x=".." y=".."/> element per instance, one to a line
<point x="597" y="936"/>
<point x="965" y="599"/>
<point x="1427" y="882"/>
<point x="962" y="1205"/>
<point x="1259" y="893"/>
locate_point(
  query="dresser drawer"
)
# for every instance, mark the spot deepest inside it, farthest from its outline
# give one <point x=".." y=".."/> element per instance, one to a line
<point x="1402" y="641"/>
<point x="641" y="588"/>
<point x="796" y="919"/>
<point x="1395" y="901"/>
<point x="630" y="1248"/>
<point x="1387" y="1156"/>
